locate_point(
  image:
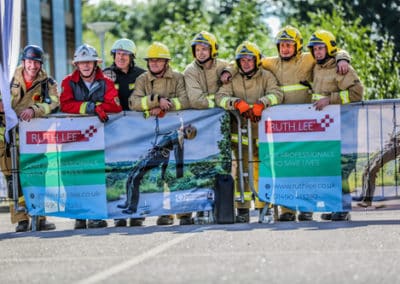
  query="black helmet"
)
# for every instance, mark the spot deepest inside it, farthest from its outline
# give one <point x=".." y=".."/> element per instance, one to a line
<point x="33" y="52"/>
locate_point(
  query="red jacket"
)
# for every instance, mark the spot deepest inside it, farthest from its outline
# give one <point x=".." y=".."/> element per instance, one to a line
<point x="76" y="97"/>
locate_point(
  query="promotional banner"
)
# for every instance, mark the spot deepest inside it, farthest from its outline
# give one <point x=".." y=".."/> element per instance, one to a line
<point x="62" y="167"/>
<point x="154" y="167"/>
<point x="299" y="152"/>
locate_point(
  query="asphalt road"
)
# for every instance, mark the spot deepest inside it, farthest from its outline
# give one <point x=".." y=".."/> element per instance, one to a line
<point x="364" y="250"/>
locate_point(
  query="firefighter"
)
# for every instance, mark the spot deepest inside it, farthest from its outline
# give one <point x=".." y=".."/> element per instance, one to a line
<point x="250" y="91"/>
<point x="203" y="73"/>
<point x="88" y="91"/>
<point x="158" y="155"/>
<point x="124" y="72"/>
<point x="33" y="94"/>
<point x="158" y="91"/>
<point x="330" y="87"/>
<point x="202" y="77"/>
<point x="293" y="69"/>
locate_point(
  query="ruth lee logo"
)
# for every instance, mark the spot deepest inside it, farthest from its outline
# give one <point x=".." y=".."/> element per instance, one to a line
<point x="59" y="136"/>
<point x="303" y="125"/>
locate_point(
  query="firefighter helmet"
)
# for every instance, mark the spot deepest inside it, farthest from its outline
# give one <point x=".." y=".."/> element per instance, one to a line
<point x="292" y="34"/>
<point x="323" y="37"/>
<point x="125" y="45"/>
<point x="33" y="52"/>
<point x="248" y="49"/>
<point x="190" y="131"/>
<point x="158" y="50"/>
<point x="208" y="39"/>
<point x="86" y="52"/>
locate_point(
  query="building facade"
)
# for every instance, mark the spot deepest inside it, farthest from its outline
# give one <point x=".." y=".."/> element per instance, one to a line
<point x="55" y="25"/>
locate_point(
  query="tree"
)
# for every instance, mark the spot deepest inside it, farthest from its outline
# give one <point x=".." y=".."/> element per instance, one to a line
<point x="381" y="16"/>
<point x="373" y="62"/>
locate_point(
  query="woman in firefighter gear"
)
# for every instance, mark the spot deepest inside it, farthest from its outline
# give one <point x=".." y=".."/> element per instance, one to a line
<point x="332" y="88"/>
<point x="158" y="91"/>
<point x="250" y="91"/>
<point x="157" y="156"/>
<point x="88" y="91"/>
<point x="293" y="69"/>
<point x="124" y="72"/>
<point x="33" y="94"/>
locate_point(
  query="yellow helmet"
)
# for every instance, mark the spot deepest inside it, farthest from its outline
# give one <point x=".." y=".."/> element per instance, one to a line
<point x="158" y="50"/>
<point x="323" y="37"/>
<point x="292" y="34"/>
<point x="205" y="38"/>
<point x="248" y="48"/>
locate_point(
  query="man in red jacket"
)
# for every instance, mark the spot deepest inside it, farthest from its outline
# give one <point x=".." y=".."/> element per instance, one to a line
<point x="88" y="91"/>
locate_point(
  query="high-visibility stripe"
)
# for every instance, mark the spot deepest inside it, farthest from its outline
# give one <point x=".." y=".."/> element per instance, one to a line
<point x="245" y="139"/>
<point x="316" y="97"/>
<point x="224" y="102"/>
<point x="344" y="96"/>
<point x="272" y="99"/>
<point x="295" y="87"/>
<point x="177" y="103"/>
<point x="211" y="102"/>
<point x="131" y="86"/>
<point x="82" y="109"/>
<point x="46" y="107"/>
<point x="248" y="196"/>
<point x="235" y="138"/>
<point x="144" y="104"/>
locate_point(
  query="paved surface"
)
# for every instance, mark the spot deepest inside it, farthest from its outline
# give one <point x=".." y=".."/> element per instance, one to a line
<point x="365" y="250"/>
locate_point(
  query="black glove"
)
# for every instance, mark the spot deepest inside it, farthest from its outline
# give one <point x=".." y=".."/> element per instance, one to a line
<point x="306" y="83"/>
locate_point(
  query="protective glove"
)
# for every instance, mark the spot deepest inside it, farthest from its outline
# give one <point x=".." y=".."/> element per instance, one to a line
<point x="101" y="114"/>
<point x="161" y="114"/>
<point x="241" y="106"/>
<point x="258" y="108"/>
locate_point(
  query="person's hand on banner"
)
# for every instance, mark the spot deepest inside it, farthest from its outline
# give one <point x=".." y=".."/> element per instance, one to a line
<point x="101" y="114"/>
<point x="258" y="108"/>
<point x="242" y="106"/>
<point x="27" y="114"/>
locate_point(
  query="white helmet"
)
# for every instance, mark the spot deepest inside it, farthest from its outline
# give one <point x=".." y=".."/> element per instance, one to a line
<point x="86" y="52"/>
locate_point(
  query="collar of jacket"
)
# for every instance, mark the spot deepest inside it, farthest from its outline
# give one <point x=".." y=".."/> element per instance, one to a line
<point x="201" y="66"/>
<point x="331" y="62"/>
<point x="257" y="74"/>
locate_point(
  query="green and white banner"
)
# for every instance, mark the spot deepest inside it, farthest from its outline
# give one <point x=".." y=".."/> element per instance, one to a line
<point x="62" y="167"/>
<point x="299" y="151"/>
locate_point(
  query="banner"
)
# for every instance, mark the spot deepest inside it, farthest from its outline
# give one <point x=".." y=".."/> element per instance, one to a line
<point x="77" y="167"/>
<point x="299" y="152"/>
<point x="62" y="167"/>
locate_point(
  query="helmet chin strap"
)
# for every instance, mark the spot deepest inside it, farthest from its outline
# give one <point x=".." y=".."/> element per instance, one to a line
<point x="204" y="61"/>
<point x="157" y="73"/>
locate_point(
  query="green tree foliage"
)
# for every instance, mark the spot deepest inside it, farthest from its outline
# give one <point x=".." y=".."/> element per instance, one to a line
<point x="244" y="23"/>
<point x="382" y="16"/>
<point x="373" y="62"/>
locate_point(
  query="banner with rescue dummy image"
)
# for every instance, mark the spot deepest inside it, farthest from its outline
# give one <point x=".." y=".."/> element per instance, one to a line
<point x="299" y="152"/>
<point x="161" y="166"/>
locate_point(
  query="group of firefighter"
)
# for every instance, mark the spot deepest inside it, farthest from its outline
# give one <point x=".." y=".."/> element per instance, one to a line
<point x="249" y="85"/>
